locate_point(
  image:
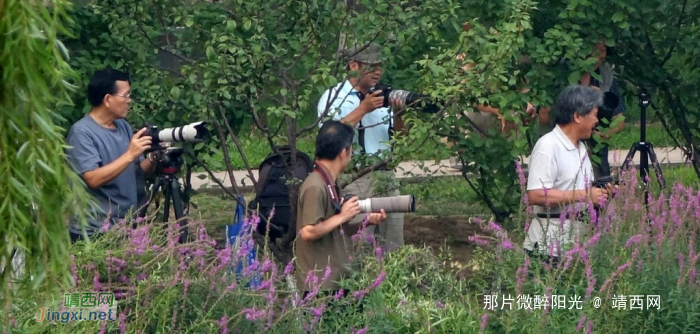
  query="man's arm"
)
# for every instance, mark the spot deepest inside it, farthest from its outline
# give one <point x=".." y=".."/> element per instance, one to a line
<point x="316" y="231"/>
<point x="368" y="104"/>
<point x="86" y="158"/>
<point x="540" y="184"/>
<point x="148" y="165"/>
<point x="555" y="197"/>
<point x="313" y="213"/>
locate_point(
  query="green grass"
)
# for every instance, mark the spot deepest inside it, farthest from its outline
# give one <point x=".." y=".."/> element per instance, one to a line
<point x="435" y="196"/>
<point x="655" y="134"/>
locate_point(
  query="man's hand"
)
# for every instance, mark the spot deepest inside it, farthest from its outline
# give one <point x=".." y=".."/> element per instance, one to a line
<point x="599" y="196"/>
<point x="602" y="135"/>
<point x="350" y="208"/>
<point x="396" y="103"/>
<point x="376" y="218"/>
<point x="139" y="144"/>
<point x="372" y="101"/>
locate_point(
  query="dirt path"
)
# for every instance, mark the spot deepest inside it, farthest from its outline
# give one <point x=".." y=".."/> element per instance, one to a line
<point x="436" y="232"/>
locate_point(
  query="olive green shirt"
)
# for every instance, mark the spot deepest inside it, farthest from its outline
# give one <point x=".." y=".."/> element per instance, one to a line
<point x="333" y="249"/>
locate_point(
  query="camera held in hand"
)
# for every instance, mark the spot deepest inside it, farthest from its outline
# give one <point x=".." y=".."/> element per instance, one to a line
<point x="604" y="181"/>
<point x="193" y="133"/>
<point x="408" y="98"/>
<point x="403" y="203"/>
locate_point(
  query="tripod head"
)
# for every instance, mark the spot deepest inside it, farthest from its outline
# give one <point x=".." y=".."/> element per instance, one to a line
<point x="644" y="97"/>
<point x="170" y="161"/>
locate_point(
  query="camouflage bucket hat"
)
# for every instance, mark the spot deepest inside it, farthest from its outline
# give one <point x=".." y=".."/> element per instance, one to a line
<point x="367" y="54"/>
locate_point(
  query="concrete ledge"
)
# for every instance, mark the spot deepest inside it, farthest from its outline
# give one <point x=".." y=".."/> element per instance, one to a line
<point x="668" y="157"/>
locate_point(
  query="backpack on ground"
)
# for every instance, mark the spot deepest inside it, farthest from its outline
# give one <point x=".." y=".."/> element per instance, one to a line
<point x="272" y="190"/>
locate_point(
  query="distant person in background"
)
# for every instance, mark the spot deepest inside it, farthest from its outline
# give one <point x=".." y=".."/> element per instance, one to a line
<point x="350" y="102"/>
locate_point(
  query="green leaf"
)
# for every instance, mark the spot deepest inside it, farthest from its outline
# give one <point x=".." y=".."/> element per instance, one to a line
<point x="618" y="16"/>
<point x="175" y="92"/>
<point x="574" y="77"/>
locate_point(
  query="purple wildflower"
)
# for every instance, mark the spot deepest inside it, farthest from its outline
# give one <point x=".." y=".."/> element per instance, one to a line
<point x="579" y="327"/>
<point x="361" y="331"/>
<point x="633" y="240"/>
<point x="378" y="281"/>
<point x="289" y="268"/>
<point x="222" y="325"/>
<point x="122" y="323"/>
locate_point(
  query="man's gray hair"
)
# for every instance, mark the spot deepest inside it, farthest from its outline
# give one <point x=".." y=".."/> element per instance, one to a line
<point x="576" y="99"/>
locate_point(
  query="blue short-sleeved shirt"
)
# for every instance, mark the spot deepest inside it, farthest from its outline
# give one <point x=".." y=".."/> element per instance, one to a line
<point x="94" y="146"/>
<point x="343" y="100"/>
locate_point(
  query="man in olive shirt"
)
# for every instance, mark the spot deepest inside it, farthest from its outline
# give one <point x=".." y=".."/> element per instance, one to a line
<point x="323" y="228"/>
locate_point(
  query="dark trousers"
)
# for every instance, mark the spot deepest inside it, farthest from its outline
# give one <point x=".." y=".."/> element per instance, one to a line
<point x="601" y="168"/>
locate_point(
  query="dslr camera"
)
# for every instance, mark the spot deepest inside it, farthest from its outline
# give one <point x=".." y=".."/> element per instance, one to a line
<point x="406" y="97"/>
<point x="403" y="203"/>
<point x="194" y="133"/>
<point x="605" y="180"/>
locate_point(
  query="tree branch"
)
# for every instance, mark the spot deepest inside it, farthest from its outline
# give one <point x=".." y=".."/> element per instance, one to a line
<point x="150" y="41"/>
<point x="675" y="40"/>
<point x="238" y="146"/>
<point x="213" y="177"/>
<point x="227" y="158"/>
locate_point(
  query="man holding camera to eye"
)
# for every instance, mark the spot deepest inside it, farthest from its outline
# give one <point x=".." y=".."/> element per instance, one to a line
<point x="324" y="226"/>
<point x="351" y="102"/>
<point x="106" y="153"/>
<point x="560" y="173"/>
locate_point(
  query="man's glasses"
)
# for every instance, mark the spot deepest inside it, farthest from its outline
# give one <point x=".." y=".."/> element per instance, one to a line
<point x="127" y="96"/>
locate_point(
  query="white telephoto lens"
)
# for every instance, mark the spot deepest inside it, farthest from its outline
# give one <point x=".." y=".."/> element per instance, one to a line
<point x="365" y="205"/>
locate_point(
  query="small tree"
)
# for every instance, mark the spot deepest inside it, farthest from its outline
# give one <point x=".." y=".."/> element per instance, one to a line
<point x="40" y="190"/>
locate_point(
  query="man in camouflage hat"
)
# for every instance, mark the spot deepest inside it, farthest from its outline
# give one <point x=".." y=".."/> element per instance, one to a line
<point x="351" y="102"/>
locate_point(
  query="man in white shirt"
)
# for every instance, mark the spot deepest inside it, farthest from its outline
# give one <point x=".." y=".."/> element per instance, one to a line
<point x="560" y="173"/>
<point x="351" y="102"/>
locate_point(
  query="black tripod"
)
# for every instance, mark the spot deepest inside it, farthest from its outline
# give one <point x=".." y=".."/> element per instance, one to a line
<point x="166" y="178"/>
<point x="646" y="150"/>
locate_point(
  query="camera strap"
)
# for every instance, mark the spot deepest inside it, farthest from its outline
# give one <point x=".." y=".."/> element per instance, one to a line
<point x="333" y="190"/>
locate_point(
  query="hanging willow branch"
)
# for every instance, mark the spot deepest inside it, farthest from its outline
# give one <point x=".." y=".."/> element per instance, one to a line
<point x="39" y="188"/>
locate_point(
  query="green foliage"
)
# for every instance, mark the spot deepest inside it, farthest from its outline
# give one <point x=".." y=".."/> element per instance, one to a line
<point x="630" y="251"/>
<point x="191" y="288"/>
<point x="39" y="189"/>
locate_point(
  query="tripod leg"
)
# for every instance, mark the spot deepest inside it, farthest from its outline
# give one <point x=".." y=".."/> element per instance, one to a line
<point x="154" y="190"/>
<point x="179" y="209"/>
<point x="630" y="157"/>
<point x="657" y="166"/>
<point x="167" y="196"/>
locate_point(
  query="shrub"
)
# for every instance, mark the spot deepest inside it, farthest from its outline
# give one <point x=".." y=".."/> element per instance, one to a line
<point x="627" y="252"/>
<point x="163" y="286"/>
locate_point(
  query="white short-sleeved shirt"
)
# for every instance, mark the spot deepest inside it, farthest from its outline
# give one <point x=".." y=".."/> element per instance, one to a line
<point x="555" y="163"/>
<point x="343" y="100"/>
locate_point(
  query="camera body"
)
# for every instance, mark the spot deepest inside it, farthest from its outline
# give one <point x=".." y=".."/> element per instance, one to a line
<point x="386" y="92"/>
<point x="406" y="97"/>
<point x="605" y="180"/>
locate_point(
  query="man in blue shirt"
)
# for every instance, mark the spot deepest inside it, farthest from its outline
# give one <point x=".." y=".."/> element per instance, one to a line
<point x="106" y="153"/>
<point x="351" y="102"/>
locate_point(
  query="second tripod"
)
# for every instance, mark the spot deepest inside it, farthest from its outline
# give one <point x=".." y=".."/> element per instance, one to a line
<point x="166" y="179"/>
<point x="645" y="148"/>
